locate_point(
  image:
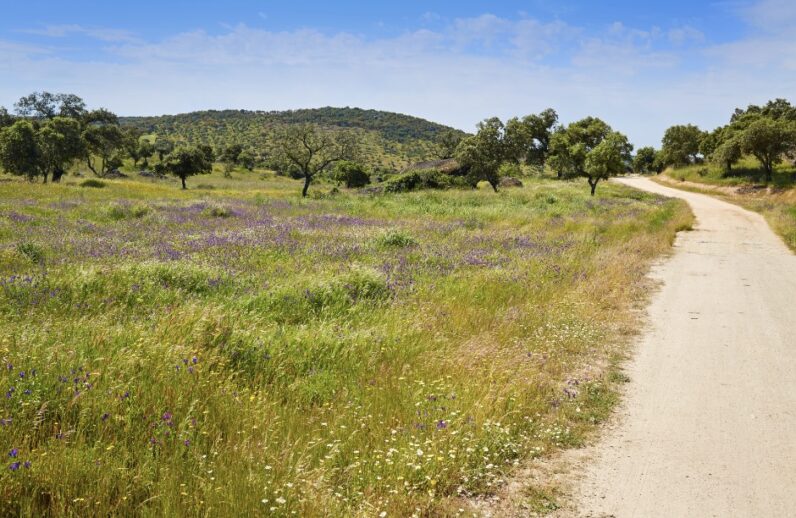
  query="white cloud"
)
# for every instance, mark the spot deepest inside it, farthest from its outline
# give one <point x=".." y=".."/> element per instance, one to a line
<point x="97" y="33"/>
<point x="638" y="80"/>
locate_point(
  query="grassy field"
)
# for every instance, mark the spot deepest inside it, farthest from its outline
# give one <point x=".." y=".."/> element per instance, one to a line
<point x="234" y="350"/>
<point x="777" y="202"/>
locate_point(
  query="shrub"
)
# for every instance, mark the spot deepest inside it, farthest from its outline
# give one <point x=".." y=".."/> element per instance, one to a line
<point x="423" y="179"/>
<point x="33" y="252"/>
<point x="217" y="211"/>
<point x="93" y="183"/>
<point x="352" y="174"/>
<point x="395" y="239"/>
<point x="120" y="211"/>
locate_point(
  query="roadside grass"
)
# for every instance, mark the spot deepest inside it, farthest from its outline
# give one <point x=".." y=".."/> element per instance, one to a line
<point x="242" y="351"/>
<point x="777" y="202"/>
<point x="745" y="173"/>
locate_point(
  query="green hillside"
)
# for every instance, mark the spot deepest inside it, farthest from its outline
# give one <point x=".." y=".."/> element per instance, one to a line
<point x="388" y="140"/>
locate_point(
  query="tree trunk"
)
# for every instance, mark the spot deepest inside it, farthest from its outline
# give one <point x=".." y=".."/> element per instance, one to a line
<point x="183" y="182"/>
<point x="494" y="185"/>
<point x="307" y="180"/>
<point x="57" y="174"/>
<point x="593" y="184"/>
<point x="769" y="172"/>
<point x="45" y="177"/>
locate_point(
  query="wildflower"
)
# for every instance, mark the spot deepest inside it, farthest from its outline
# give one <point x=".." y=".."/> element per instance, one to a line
<point x="21" y="374"/>
<point x="281" y="501"/>
<point x="13" y="453"/>
<point x="105" y="416"/>
<point x="187" y="442"/>
<point x="441" y="424"/>
<point x="195" y="360"/>
<point x="125" y="395"/>
<point x="167" y="416"/>
<point x="26" y="464"/>
<point x="419" y="452"/>
<point x="14" y="466"/>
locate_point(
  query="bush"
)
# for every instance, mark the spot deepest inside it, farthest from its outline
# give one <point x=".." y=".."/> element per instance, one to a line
<point x="33" y="252"/>
<point x="423" y="179"/>
<point x="395" y="239"/>
<point x="91" y="182"/>
<point x="352" y="174"/>
<point x="217" y="211"/>
<point x="120" y="212"/>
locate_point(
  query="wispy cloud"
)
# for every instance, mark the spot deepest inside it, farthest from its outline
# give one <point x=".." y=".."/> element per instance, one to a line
<point x="97" y="33"/>
<point x="640" y="79"/>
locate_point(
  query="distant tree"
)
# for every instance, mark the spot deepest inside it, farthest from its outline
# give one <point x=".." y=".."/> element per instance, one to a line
<point x="46" y="105"/>
<point x="484" y="153"/>
<point x="163" y="147"/>
<point x="446" y="143"/>
<point x="308" y="150"/>
<point x="532" y="136"/>
<point x="145" y="151"/>
<point x="60" y="143"/>
<point x="247" y="159"/>
<point x="644" y="161"/>
<point x="19" y="150"/>
<point x="6" y="119"/>
<point x="352" y="174"/>
<point x="231" y="154"/>
<point x="210" y="154"/>
<point x="186" y="161"/>
<point x="609" y="158"/>
<point x="768" y="140"/>
<point x="727" y="153"/>
<point x="103" y="139"/>
<point x="681" y="145"/>
<point x="569" y="146"/>
<point x="131" y="142"/>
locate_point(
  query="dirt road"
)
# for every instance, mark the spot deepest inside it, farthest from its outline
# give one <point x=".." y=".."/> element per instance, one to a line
<point x="708" y="427"/>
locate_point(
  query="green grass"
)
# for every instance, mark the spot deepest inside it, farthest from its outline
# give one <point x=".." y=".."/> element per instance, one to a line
<point x="241" y="351"/>
<point x="745" y="187"/>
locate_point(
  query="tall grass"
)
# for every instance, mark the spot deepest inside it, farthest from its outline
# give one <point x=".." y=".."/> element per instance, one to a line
<point x="350" y="355"/>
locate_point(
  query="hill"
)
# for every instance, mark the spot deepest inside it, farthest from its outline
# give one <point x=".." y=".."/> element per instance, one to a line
<point x="389" y="140"/>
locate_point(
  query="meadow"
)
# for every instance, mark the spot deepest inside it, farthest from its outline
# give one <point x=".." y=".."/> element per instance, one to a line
<point x="235" y="350"/>
<point x="745" y="187"/>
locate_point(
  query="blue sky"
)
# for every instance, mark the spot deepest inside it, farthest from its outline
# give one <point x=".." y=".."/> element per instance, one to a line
<point x="641" y="66"/>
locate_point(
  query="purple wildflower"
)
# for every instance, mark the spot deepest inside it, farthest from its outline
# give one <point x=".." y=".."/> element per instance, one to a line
<point x="27" y="464"/>
<point x="13" y="453"/>
<point x="195" y="360"/>
<point x="14" y="466"/>
<point x="187" y="442"/>
<point x="105" y="416"/>
<point x="167" y="416"/>
<point x="21" y="374"/>
<point x="441" y="424"/>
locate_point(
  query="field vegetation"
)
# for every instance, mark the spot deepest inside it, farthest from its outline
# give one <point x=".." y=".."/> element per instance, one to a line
<point x="234" y="349"/>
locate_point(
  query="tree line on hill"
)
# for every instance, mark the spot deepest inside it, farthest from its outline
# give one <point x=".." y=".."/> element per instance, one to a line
<point x="47" y="133"/>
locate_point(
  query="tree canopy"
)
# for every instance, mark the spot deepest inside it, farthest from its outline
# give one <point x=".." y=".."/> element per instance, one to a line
<point x="589" y="148"/>
<point x="184" y="162"/>
<point x="308" y="150"/>
<point x="484" y="153"/>
<point x="680" y="145"/>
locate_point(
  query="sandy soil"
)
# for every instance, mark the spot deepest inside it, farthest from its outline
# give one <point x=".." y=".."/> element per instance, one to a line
<point x="708" y="427"/>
